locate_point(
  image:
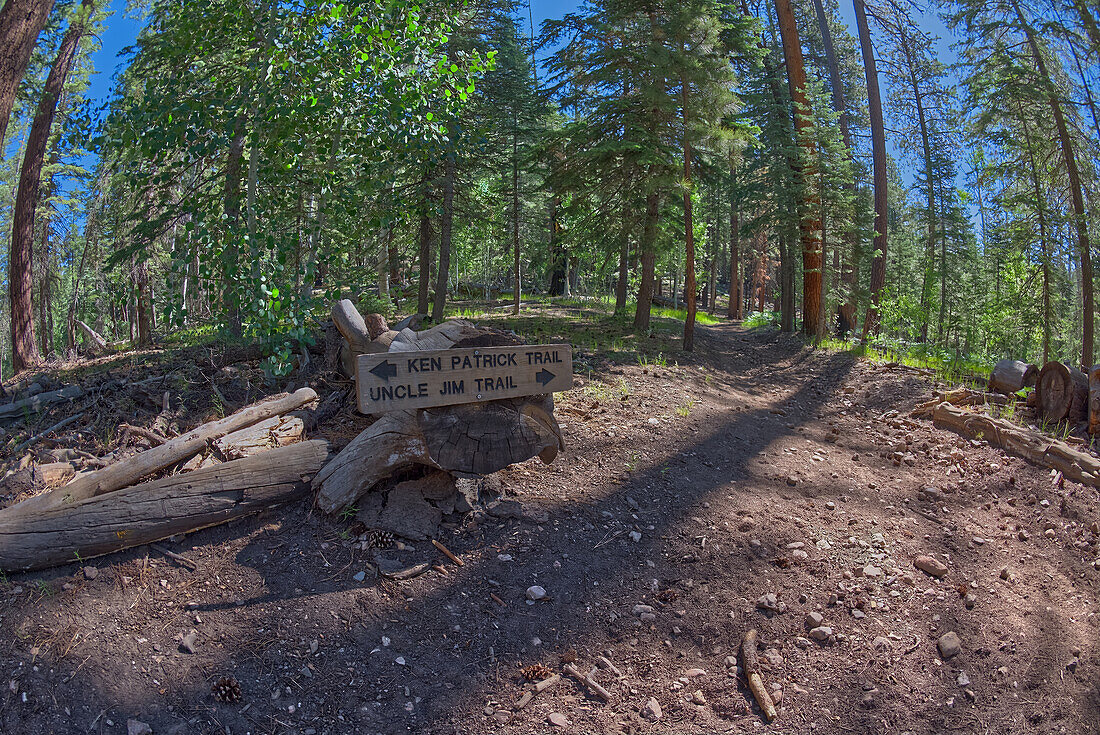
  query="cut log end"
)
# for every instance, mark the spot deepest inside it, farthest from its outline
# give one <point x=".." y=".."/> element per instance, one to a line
<point x="1063" y="393"/>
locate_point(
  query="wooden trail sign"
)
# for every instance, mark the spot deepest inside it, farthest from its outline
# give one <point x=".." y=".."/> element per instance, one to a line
<point x="392" y="381"/>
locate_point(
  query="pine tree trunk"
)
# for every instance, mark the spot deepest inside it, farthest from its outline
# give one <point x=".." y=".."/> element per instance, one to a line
<point x="734" y="311"/>
<point x="930" y="191"/>
<point x="849" y="273"/>
<point x="143" y="306"/>
<point x="624" y="271"/>
<point x="445" y="225"/>
<point x="45" y="299"/>
<point x="786" y="286"/>
<point x="1080" y="215"/>
<point x="20" y="268"/>
<point x="878" y="155"/>
<point x="516" y="285"/>
<point x="1040" y="214"/>
<point x="805" y="172"/>
<point x="231" y="295"/>
<point x="422" y="303"/>
<point x="689" y="228"/>
<point x="20" y="23"/>
<point x="649" y="260"/>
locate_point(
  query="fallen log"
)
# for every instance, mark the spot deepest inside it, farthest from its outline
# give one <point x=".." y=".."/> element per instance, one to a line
<point x="35" y="404"/>
<point x="750" y="662"/>
<point x="155" y="510"/>
<point x="362" y="336"/>
<point x="1009" y="376"/>
<point x="1034" y="447"/>
<point x="97" y="343"/>
<point x="277" y="431"/>
<point x="132" y="469"/>
<point x="32" y="478"/>
<point x="959" y="397"/>
<point x="1063" y="393"/>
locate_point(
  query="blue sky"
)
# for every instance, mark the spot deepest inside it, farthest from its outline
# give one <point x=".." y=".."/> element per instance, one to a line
<point x="121" y="31"/>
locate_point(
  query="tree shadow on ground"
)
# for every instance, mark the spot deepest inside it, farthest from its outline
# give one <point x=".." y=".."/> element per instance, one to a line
<point x="422" y="655"/>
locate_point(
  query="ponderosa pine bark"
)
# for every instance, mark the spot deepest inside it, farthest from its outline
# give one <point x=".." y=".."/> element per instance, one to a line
<point x="849" y="272"/>
<point x="20" y="268"/>
<point x="1080" y="223"/>
<point x="20" y="23"/>
<point x="930" y="184"/>
<point x="878" y="156"/>
<point x="649" y="261"/>
<point x="805" y="172"/>
<point x="624" y="270"/>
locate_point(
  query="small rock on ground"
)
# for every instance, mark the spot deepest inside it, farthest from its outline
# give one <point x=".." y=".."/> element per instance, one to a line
<point x="652" y="710"/>
<point x="930" y="565"/>
<point x="137" y="727"/>
<point x="949" y="644"/>
<point x="557" y="719"/>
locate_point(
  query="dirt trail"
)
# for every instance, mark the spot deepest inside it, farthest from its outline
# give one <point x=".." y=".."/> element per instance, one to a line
<point x="748" y="488"/>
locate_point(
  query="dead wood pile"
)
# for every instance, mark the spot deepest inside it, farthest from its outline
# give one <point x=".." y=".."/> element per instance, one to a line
<point x="436" y="450"/>
<point x="261" y="462"/>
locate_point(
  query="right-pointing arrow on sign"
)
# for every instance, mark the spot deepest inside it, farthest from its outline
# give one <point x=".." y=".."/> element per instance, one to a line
<point x="384" y="370"/>
<point x="544" y="376"/>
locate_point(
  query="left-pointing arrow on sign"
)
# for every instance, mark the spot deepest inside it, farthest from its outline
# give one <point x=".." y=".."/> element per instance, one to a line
<point x="384" y="370"/>
<point x="544" y="376"/>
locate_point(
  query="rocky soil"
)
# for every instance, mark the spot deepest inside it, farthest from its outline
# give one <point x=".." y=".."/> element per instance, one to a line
<point x="902" y="580"/>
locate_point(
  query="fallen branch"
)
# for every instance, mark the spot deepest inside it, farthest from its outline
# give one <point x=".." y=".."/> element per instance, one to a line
<point x="156" y="510"/>
<point x="448" y="553"/>
<point x="149" y="434"/>
<point x="959" y="397"/>
<point x="1034" y="447"/>
<point x="174" y="556"/>
<point x="547" y="683"/>
<point x="591" y="684"/>
<point x="35" y="404"/>
<point x="751" y="665"/>
<point x="42" y="435"/>
<point x="129" y="471"/>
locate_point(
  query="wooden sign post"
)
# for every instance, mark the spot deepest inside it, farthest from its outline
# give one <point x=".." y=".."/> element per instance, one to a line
<point x="392" y="381"/>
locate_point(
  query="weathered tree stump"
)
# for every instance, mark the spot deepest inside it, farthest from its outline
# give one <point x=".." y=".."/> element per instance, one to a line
<point x="1009" y="376"/>
<point x="1063" y="393"/>
<point x="467" y="439"/>
<point x="1094" y="400"/>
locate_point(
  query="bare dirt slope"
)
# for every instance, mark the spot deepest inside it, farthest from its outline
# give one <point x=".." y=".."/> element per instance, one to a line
<point x="747" y="488"/>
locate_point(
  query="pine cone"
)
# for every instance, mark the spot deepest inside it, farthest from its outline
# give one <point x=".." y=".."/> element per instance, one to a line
<point x="227" y="689"/>
<point x="380" y="539"/>
<point x="536" y="672"/>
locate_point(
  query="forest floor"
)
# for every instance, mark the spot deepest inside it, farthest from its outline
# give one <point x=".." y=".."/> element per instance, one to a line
<point x="750" y="485"/>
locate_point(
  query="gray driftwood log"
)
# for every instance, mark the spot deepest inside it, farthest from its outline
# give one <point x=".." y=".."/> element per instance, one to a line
<point x="129" y="471"/>
<point x="473" y="438"/>
<point x="35" y="404"/>
<point x="155" y="510"/>
<point x="1009" y="376"/>
<point x="1032" y="446"/>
